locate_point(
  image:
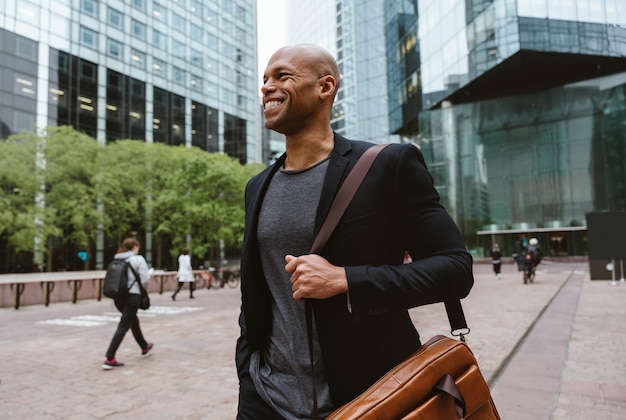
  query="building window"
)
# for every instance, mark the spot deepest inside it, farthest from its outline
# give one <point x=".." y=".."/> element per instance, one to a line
<point x="90" y="7"/>
<point x="115" y="18"/>
<point x="138" y="30"/>
<point x="25" y="85"/>
<point x="178" y="75"/>
<point x="178" y="22"/>
<point x="196" y="32"/>
<point x="159" y="12"/>
<point x="160" y="40"/>
<point x="88" y="37"/>
<point x="114" y="48"/>
<point x="196" y="57"/>
<point x="86" y="104"/>
<point x="88" y="71"/>
<point x="196" y="8"/>
<point x="196" y="83"/>
<point x="138" y="58"/>
<point x="159" y="67"/>
<point x="26" y="48"/>
<point x="178" y="49"/>
<point x="58" y="96"/>
<point x="139" y="4"/>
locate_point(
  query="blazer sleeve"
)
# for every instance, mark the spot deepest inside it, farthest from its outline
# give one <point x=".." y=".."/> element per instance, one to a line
<point x="441" y="268"/>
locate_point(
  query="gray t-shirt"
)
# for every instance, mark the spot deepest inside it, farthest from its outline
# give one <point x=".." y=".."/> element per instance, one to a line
<point x="281" y="371"/>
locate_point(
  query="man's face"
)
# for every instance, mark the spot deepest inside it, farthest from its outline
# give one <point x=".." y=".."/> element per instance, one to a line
<point x="290" y="92"/>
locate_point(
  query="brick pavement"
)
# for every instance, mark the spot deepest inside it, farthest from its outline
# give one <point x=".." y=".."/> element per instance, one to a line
<point x="52" y="370"/>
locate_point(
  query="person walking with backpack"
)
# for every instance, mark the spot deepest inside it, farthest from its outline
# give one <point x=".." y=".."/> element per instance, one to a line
<point x="128" y="303"/>
<point x="185" y="273"/>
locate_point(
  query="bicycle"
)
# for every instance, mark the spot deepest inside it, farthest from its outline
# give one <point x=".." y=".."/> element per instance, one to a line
<point x="201" y="280"/>
<point x="232" y="278"/>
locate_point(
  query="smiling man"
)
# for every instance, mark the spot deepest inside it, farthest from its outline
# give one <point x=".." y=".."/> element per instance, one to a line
<point x="358" y="286"/>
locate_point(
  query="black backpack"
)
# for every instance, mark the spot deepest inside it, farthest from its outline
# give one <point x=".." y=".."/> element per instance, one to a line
<point x="116" y="279"/>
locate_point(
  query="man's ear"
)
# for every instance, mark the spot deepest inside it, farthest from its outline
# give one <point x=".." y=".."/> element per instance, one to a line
<point x="328" y="85"/>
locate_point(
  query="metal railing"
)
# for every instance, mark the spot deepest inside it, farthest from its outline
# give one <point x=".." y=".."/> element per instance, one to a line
<point x="15" y="285"/>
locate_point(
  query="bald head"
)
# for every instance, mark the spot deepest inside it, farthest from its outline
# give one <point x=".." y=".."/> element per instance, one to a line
<point x="313" y="57"/>
<point x="318" y="58"/>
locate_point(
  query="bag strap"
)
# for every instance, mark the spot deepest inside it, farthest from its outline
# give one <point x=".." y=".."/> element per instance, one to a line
<point x="344" y="195"/>
<point x="337" y="208"/>
<point x="134" y="274"/>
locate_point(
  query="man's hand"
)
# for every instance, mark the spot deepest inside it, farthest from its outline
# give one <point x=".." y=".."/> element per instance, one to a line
<point x="314" y="277"/>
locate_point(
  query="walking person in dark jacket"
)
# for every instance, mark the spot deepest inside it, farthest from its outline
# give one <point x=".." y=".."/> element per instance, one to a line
<point x="129" y="305"/>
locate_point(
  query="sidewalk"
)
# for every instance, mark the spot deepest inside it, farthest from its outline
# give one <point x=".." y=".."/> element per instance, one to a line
<point x="551" y="350"/>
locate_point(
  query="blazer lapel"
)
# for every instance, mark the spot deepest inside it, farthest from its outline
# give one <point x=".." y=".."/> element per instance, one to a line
<point x="252" y="214"/>
<point x="335" y="175"/>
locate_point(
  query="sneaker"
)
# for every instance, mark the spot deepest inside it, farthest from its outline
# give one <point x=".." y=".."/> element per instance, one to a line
<point x="146" y="352"/>
<point x="110" y="364"/>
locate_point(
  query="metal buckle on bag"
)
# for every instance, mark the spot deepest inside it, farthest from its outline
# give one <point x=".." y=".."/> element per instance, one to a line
<point x="461" y="333"/>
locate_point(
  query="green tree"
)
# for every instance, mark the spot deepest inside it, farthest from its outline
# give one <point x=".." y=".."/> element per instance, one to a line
<point x="203" y="200"/>
<point x="70" y="195"/>
<point x="121" y="178"/>
<point x="62" y="184"/>
<point x="19" y="188"/>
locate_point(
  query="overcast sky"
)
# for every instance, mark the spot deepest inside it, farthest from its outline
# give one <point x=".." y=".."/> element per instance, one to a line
<point x="271" y="30"/>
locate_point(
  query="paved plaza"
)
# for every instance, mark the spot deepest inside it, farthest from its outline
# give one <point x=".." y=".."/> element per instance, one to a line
<point x="550" y="350"/>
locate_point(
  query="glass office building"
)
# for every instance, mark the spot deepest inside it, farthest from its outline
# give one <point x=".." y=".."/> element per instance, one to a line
<point x="353" y="31"/>
<point x="521" y="114"/>
<point x="178" y="72"/>
<point x="174" y="72"/>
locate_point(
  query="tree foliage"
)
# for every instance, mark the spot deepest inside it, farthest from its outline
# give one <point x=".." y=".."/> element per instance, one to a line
<point x="63" y="185"/>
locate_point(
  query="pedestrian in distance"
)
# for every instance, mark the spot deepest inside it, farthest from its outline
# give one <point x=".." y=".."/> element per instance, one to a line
<point x="496" y="259"/>
<point x="185" y="273"/>
<point x="128" y="304"/>
<point x="358" y="286"/>
<point x="534" y="253"/>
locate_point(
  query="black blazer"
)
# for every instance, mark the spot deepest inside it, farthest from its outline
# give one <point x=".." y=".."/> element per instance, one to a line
<point x="396" y="209"/>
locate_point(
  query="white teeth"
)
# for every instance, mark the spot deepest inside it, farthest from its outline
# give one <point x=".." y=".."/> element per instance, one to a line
<point x="270" y="104"/>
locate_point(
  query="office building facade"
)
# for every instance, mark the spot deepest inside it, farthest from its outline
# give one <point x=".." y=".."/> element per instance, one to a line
<point x="174" y="72"/>
<point x="519" y="109"/>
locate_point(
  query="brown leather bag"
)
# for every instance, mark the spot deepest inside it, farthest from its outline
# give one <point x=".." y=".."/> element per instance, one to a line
<point x="440" y="381"/>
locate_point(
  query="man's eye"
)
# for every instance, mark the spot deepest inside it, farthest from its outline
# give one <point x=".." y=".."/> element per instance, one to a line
<point x="283" y="75"/>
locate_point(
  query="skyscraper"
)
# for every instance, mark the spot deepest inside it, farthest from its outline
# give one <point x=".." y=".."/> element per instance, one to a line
<point x="174" y="72"/>
<point x="518" y="107"/>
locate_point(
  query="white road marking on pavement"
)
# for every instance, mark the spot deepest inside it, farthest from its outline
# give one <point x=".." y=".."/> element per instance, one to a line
<point x="71" y="322"/>
<point x="96" y="320"/>
<point x="173" y="310"/>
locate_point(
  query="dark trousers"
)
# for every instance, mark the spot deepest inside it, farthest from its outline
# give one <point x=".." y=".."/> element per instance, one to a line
<point x="497" y="267"/>
<point x="251" y="405"/>
<point x="180" y="286"/>
<point x="129" y="320"/>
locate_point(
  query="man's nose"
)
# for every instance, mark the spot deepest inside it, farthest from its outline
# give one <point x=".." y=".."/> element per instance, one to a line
<point x="267" y="86"/>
